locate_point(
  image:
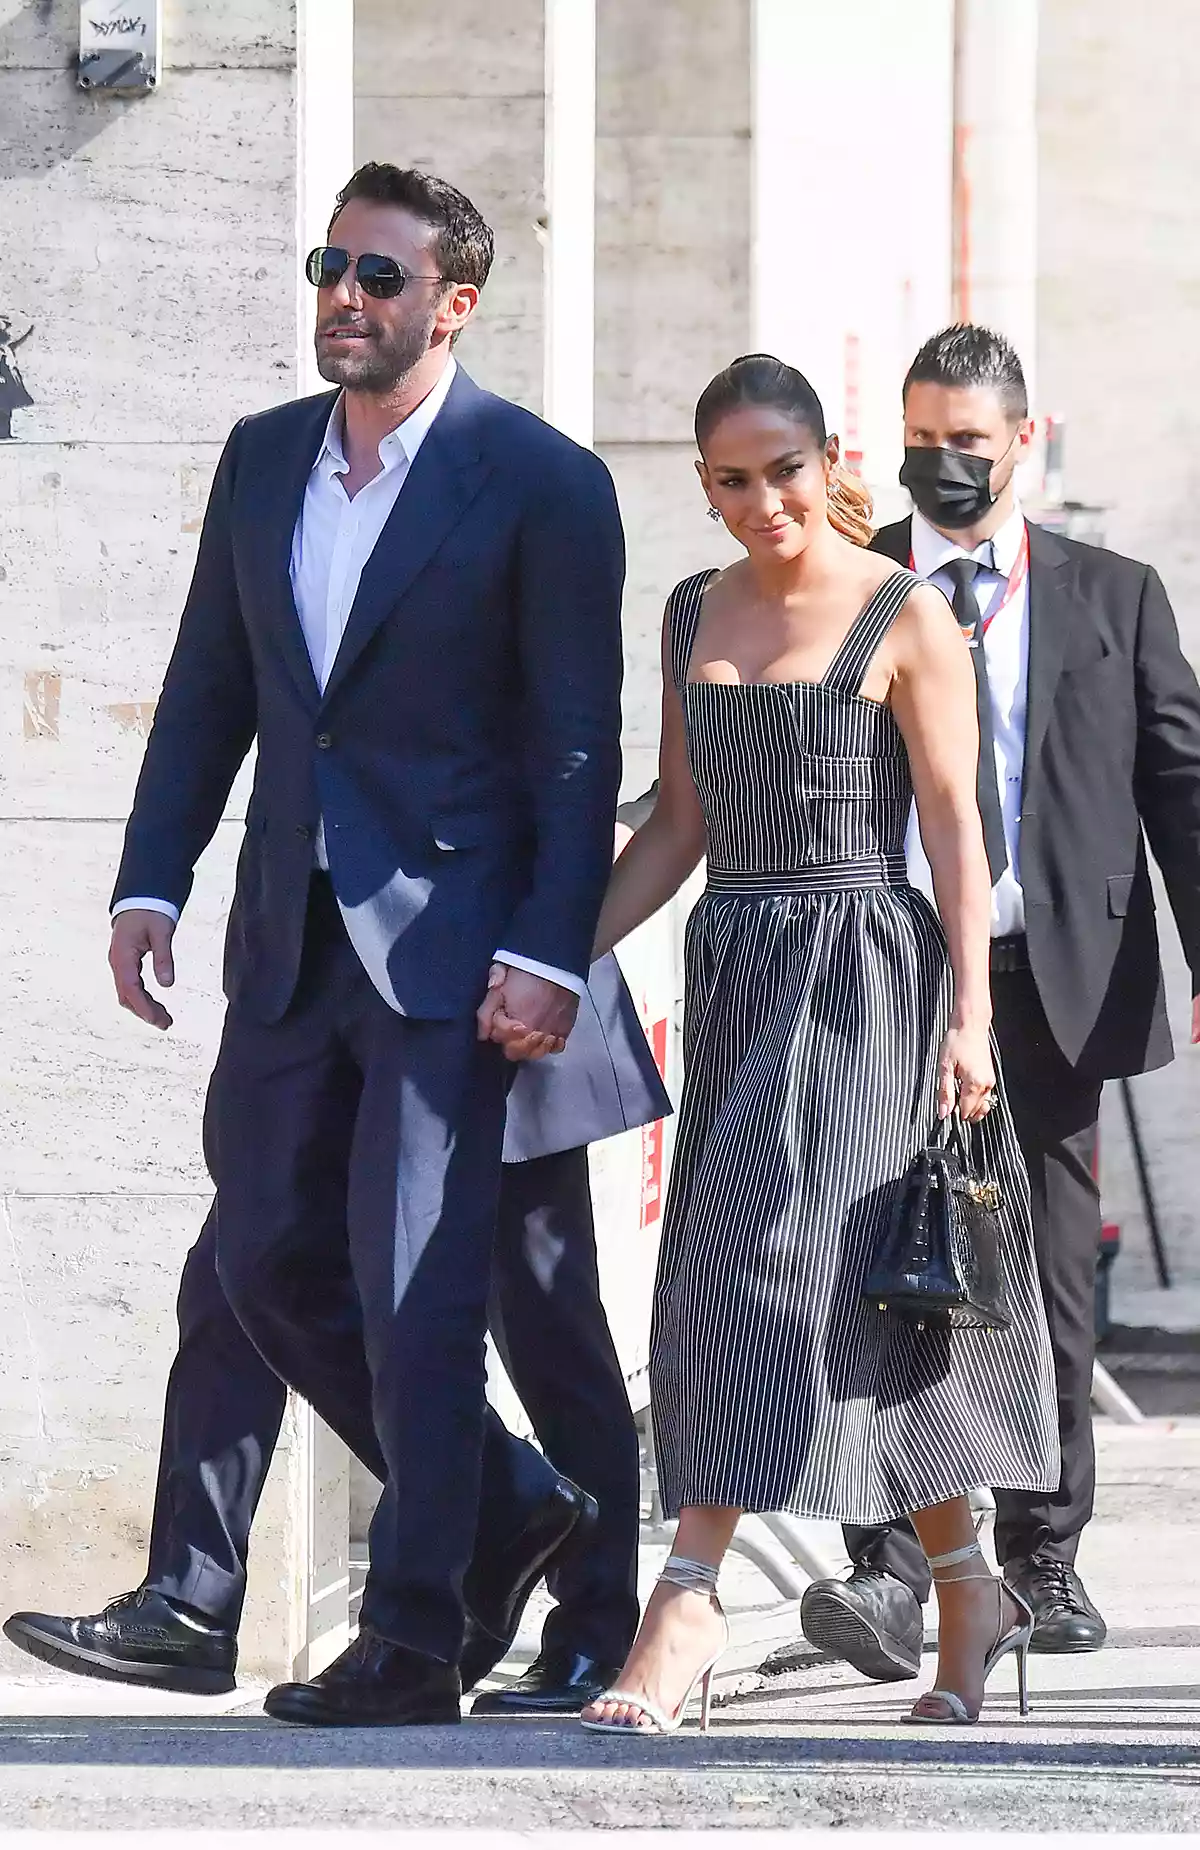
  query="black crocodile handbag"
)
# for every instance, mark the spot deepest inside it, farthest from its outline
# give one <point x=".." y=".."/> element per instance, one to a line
<point x="941" y="1264"/>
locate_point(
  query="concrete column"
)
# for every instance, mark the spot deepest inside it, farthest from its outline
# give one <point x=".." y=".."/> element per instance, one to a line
<point x="851" y="206"/>
<point x="162" y="306"/>
<point x="570" y="335"/>
<point x="996" y="169"/>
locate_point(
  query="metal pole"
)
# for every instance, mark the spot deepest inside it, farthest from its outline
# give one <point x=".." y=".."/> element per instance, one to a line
<point x="1149" y="1205"/>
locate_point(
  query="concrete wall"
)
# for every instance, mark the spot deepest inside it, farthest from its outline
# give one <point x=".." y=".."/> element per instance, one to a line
<point x="672" y="293"/>
<point x="160" y="288"/>
<point x="1119" y="358"/>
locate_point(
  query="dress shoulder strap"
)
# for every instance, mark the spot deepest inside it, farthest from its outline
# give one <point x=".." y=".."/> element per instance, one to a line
<point x="683" y="615"/>
<point x="868" y="630"/>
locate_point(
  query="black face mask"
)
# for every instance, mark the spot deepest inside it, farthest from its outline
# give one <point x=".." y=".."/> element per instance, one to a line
<point x="951" y="488"/>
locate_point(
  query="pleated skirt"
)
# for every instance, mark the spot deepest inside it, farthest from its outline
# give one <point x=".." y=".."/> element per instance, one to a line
<point x="812" y="1029"/>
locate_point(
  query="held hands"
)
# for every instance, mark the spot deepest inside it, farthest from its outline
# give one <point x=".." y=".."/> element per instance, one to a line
<point x="966" y="1074"/>
<point x="527" y="1015"/>
<point x="136" y="935"/>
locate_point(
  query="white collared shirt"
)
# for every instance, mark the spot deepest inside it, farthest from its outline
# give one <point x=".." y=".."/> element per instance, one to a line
<point x="334" y="538"/>
<point x="1007" y="648"/>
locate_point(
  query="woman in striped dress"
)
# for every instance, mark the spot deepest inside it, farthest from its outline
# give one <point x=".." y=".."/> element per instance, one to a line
<point x="808" y="690"/>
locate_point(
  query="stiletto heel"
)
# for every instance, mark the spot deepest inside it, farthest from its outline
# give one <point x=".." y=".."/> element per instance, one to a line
<point x="694" y="1577"/>
<point x="1015" y="1639"/>
<point x="705" y="1700"/>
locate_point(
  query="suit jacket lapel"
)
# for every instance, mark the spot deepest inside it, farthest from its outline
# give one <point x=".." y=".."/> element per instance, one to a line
<point x="1050" y="617"/>
<point x="441" y="483"/>
<point x="282" y="498"/>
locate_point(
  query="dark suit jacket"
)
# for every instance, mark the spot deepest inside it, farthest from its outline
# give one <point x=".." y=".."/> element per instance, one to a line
<point x="1112" y="761"/>
<point x="604" y="1082"/>
<point x="465" y="754"/>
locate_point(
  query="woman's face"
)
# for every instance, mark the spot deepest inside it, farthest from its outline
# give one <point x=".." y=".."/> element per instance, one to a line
<point x="767" y="477"/>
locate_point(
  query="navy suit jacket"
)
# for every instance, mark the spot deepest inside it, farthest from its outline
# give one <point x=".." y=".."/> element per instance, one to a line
<point x="465" y="753"/>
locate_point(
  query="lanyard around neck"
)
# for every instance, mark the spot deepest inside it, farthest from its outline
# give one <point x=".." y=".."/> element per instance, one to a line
<point x="1012" y="585"/>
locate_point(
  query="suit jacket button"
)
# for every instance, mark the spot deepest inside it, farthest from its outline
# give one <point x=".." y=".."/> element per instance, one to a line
<point x="324" y="741"/>
<point x="303" y="831"/>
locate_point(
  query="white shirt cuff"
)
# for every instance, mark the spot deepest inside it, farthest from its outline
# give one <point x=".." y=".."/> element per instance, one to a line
<point x="147" y="905"/>
<point x="563" y="978"/>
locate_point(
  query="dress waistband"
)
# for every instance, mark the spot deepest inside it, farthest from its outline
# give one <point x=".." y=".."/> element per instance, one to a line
<point x="875" y="870"/>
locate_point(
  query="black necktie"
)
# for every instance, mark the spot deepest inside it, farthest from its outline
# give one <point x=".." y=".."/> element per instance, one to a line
<point x="966" y="609"/>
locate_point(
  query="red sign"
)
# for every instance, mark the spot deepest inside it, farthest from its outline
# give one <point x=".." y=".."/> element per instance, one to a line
<point x="652" y="1136"/>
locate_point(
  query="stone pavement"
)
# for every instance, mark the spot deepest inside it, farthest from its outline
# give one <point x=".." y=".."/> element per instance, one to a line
<point x="1113" y="1743"/>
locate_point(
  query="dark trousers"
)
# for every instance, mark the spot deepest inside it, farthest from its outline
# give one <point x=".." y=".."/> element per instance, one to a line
<point x="224" y="1407"/>
<point x="1055" y="1110"/>
<point x="552" y="1333"/>
<point x="356" y="1156"/>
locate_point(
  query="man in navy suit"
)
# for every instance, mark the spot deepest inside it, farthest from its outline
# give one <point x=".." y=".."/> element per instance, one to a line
<point x="408" y="593"/>
<point x="224" y="1407"/>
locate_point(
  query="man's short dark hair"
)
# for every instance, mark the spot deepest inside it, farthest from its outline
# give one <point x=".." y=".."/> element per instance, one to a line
<point x="463" y="245"/>
<point x="965" y="356"/>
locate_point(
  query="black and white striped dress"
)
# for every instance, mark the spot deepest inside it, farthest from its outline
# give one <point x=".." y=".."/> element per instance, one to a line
<point x="818" y="992"/>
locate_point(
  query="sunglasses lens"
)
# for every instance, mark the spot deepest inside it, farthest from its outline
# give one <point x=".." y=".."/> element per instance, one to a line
<point x="326" y="266"/>
<point x="379" y="276"/>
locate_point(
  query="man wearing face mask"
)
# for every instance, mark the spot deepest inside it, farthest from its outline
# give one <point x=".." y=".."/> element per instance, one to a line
<point x="1089" y="755"/>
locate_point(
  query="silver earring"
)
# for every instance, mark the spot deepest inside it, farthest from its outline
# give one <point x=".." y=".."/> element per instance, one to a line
<point x="713" y="513"/>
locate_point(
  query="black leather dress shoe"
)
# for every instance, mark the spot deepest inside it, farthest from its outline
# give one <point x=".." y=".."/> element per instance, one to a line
<point x="872" y="1621"/>
<point x="373" y="1684"/>
<point x="497" y="1591"/>
<point x="1064" y="1618"/>
<point x="139" y="1638"/>
<point x="556" y="1683"/>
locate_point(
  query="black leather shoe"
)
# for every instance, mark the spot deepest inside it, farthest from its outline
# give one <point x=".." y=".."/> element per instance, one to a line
<point x="497" y="1591"/>
<point x="373" y="1684"/>
<point x="139" y="1638"/>
<point x="872" y="1621"/>
<point x="1064" y="1618"/>
<point x="556" y="1683"/>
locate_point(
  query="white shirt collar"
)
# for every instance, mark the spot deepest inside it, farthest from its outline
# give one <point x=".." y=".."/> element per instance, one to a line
<point x="931" y="550"/>
<point x="400" y="445"/>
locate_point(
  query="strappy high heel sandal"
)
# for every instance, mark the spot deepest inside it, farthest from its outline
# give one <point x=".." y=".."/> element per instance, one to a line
<point x="694" y="1577"/>
<point x="1016" y="1638"/>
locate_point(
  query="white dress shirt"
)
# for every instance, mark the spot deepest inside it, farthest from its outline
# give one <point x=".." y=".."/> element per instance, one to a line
<point x="1006" y="644"/>
<point x="334" y="537"/>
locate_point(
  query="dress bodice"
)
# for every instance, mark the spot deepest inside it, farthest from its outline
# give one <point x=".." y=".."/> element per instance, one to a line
<point x="796" y="775"/>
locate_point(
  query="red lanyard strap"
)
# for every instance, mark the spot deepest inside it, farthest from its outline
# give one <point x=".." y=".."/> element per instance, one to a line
<point x="1013" y="584"/>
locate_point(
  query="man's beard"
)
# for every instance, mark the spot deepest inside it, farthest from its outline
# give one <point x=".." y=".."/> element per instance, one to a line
<point x="379" y="361"/>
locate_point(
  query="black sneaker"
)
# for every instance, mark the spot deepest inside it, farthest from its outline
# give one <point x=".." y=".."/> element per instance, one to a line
<point x="139" y="1638"/>
<point x="1064" y="1618"/>
<point x="872" y="1621"/>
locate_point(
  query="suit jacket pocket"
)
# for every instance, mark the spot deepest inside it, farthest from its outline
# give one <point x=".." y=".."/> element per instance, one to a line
<point x="1120" y="886"/>
<point x="466" y="831"/>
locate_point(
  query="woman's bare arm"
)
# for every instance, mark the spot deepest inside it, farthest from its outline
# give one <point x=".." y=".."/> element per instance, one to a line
<point x="933" y="699"/>
<point x="669" y="844"/>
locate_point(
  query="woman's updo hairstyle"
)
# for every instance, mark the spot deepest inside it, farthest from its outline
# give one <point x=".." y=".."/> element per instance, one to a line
<point x="761" y="379"/>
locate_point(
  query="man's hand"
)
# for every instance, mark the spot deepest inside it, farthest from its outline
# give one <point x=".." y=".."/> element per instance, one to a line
<point x="135" y="935"/>
<point x="1196" y="1021"/>
<point x="525" y="1014"/>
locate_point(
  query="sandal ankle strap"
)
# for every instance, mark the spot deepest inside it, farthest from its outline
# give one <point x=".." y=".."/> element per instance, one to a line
<point x="694" y="1576"/>
<point x="956" y="1557"/>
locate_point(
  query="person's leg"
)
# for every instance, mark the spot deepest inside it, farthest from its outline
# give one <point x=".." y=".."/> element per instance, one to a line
<point x="1054" y="1113"/>
<point x="424" y="1180"/>
<point x="550" y="1327"/>
<point x="893" y="1549"/>
<point x="682" y="1629"/>
<point x="221" y="1421"/>
<point x="975" y="1611"/>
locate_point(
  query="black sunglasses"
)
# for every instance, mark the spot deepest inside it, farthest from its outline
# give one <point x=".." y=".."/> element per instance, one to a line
<point x="381" y="277"/>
